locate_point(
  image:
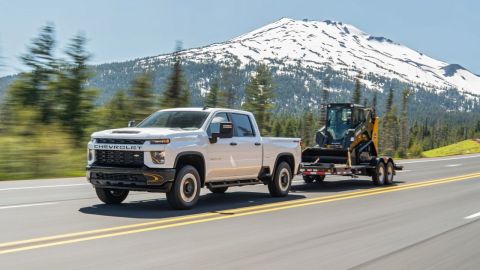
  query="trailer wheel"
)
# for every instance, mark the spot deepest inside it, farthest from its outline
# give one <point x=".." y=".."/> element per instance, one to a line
<point x="111" y="196"/>
<point x="320" y="178"/>
<point x="218" y="190"/>
<point x="185" y="191"/>
<point x="390" y="172"/>
<point x="378" y="176"/>
<point x="282" y="181"/>
<point x="308" y="179"/>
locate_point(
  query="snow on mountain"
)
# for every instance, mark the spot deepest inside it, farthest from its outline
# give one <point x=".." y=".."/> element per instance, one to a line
<point x="343" y="47"/>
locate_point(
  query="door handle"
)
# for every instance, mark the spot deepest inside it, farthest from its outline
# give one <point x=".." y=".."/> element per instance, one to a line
<point x="233" y="143"/>
<point x="257" y="143"/>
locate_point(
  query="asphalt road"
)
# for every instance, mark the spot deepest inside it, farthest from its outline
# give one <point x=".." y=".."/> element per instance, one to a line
<point x="428" y="220"/>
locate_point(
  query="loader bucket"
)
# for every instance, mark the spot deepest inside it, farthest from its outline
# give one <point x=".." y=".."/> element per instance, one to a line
<point x="325" y="155"/>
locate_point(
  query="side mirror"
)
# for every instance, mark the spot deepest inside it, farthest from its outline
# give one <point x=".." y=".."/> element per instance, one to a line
<point x="132" y="123"/>
<point x="226" y="131"/>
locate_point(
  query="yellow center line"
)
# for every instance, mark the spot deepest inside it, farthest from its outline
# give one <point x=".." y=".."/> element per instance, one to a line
<point x="10" y="247"/>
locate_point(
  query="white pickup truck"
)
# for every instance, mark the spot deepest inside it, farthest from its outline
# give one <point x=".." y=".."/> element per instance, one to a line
<point x="178" y="151"/>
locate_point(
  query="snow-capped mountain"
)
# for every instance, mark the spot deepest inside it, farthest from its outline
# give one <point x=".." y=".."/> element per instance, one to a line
<point x="342" y="47"/>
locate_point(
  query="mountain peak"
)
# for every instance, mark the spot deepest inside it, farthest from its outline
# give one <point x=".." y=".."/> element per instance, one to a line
<point x="339" y="46"/>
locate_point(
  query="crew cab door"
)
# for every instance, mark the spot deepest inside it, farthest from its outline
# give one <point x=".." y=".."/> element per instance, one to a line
<point x="245" y="147"/>
<point x="221" y="162"/>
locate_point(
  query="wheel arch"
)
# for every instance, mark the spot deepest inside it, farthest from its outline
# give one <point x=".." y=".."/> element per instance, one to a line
<point x="193" y="158"/>
<point x="287" y="157"/>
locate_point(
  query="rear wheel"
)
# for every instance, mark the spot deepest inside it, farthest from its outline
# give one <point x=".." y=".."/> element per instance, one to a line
<point x="282" y="181"/>
<point x="218" y="190"/>
<point x="185" y="191"/>
<point x="378" y="176"/>
<point x="389" y="174"/>
<point x="111" y="196"/>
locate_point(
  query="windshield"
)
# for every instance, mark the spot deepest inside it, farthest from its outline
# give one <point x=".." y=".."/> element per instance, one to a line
<point x="175" y="119"/>
<point x="339" y="121"/>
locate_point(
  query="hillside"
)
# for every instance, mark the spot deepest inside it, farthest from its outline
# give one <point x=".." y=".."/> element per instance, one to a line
<point x="305" y="57"/>
<point x="460" y="148"/>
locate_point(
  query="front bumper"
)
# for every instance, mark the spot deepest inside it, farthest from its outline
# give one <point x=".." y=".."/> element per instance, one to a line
<point x="139" y="179"/>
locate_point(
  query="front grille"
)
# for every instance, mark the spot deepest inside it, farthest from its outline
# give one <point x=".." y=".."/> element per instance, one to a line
<point x="120" y="141"/>
<point x="119" y="177"/>
<point x="119" y="158"/>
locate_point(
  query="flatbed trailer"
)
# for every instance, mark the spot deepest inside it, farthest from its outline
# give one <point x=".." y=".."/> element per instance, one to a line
<point x="347" y="145"/>
<point x="382" y="170"/>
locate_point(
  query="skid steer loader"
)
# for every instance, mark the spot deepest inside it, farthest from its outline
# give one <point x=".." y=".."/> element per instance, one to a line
<point x="348" y="145"/>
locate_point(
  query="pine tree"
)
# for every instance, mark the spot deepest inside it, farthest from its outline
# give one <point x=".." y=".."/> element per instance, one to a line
<point x="357" y="92"/>
<point x="404" y="131"/>
<point x="389" y="127"/>
<point x="74" y="100"/>
<point x="259" y="97"/>
<point x="211" y="100"/>
<point x="289" y="128"/>
<point x="374" y="101"/>
<point x="177" y="93"/>
<point x="141" y="97"/>
<point x="228" y="89"/>
<point x="277" y="128"/>
<point x="117" y="111"/>
<point x="308" y="128"/>
<point x="34" y="88"/>
<point x="325" y="100"/>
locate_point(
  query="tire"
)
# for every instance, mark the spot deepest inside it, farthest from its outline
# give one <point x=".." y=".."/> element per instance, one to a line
<point x="378" y="176"/>
<point x="308" y="179"/>
<point x="282" y="181"/>
<point x="111" y="196"/>
<point x="320" y="178"/>
<point x="185" y="191"/>
<point x="218" y="190"/>
<point x="390" y="172"/>
<point x="313" y="178"/>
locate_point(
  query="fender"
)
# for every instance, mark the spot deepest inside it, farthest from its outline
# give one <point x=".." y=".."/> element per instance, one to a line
<point x="285" y="154"/>
<point x="193" y="153"/>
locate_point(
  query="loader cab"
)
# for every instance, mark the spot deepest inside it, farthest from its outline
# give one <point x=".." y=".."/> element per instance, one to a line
<point x="342" y="119"/>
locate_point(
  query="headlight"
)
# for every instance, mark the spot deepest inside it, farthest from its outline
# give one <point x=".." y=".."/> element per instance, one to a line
<point x="158" y="157"/>
<point x="90" y="154"/>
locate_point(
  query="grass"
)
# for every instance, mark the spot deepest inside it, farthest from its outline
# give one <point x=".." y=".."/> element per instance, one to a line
<point x="460" y="148"/>
<point x="48" y="155"/>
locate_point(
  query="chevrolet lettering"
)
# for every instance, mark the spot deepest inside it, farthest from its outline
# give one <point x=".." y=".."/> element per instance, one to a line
<point x="116" y="147"/>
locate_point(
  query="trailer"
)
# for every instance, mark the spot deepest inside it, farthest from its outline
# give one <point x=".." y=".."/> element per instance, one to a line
<point x="348" y="145"/>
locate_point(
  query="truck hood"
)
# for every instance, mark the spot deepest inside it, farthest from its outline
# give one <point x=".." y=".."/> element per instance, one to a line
<point x="145" y="133"/>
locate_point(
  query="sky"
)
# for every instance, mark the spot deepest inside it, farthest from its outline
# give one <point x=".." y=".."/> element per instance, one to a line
<point x="125" y="30"/>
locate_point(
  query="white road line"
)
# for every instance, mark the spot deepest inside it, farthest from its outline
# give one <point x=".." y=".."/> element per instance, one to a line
<point x="403" y="171"/>
<point x="453" y="165"/>
<point x="438" y="159"/>
<point x="473" y="216"/>
<point x="26" y="205"/>
<point x="51" y="186"/>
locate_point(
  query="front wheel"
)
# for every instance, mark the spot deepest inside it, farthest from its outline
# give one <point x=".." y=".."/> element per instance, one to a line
<point x="111" y="196"/>
<point x="282" y="181"/>
<point x="185" y="191"/>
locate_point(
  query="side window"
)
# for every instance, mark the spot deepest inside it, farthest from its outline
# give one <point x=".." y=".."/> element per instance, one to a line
<point x="215" y="124"/>
<point x="242" y="126"/>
